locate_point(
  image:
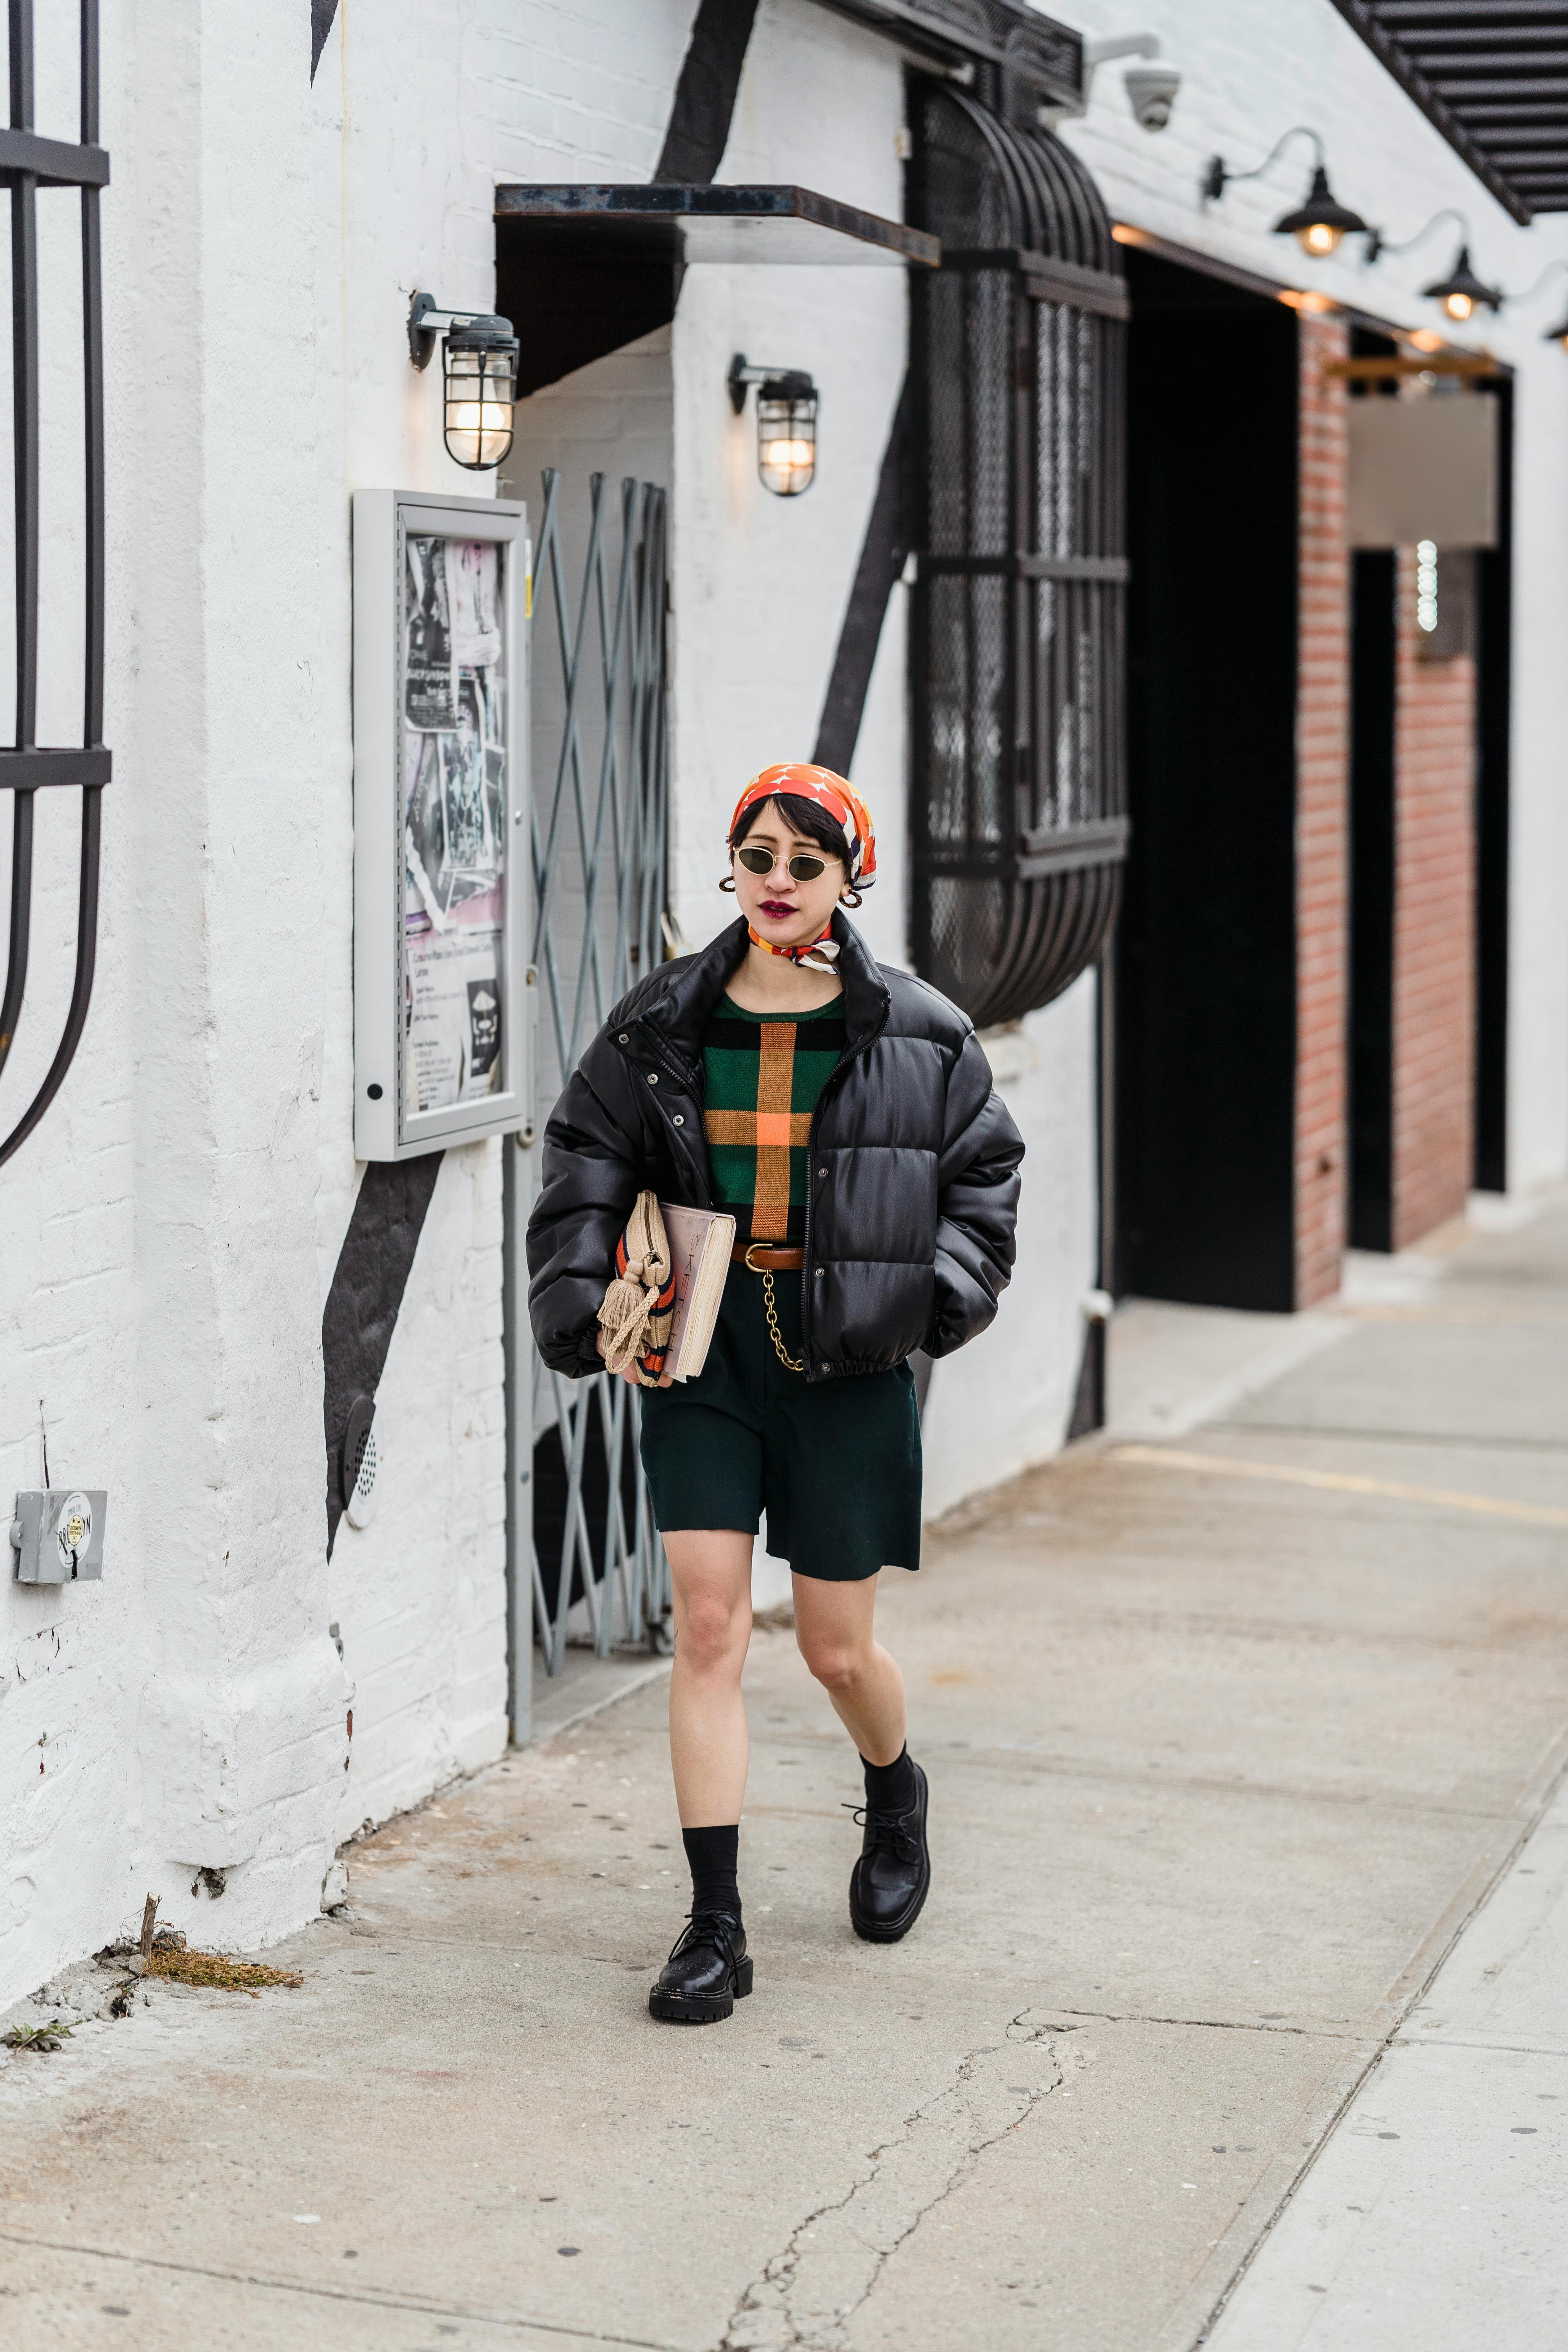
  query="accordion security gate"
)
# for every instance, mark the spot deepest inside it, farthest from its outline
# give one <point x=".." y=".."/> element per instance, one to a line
<point x="584" y="1546"/>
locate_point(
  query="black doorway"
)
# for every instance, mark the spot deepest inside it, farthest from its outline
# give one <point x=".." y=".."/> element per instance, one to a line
<point x="1371" y="1023"/>
<point x="1494" y="687"/>
<point x="1369" y="1042"/>
<point x="1206" y="988"/>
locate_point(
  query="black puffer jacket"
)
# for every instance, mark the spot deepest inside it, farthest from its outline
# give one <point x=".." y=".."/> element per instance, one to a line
<point x="912" y="1169"/>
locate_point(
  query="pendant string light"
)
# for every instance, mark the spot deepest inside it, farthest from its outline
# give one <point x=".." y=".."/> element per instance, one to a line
<point x="1319" y="222"/>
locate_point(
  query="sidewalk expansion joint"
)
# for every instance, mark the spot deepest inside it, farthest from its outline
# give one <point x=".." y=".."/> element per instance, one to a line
<point x="806" y="2294"/>
<point x="1344" y="1482"/>
<point x="1483" y="1444"/>
<point x="427" y="2306"/>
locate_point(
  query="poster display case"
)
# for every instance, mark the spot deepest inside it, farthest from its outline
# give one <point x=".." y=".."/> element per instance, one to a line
<point x="442" y="1043"/>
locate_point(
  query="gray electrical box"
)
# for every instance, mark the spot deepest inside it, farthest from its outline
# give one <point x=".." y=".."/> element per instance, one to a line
<point x="58" y="1534"/>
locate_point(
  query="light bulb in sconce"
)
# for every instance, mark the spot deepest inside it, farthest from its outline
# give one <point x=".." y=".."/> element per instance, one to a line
<point x="786" y="424"/>
<point x="1461" y="293"/>
<point x="479" y="369"/>
<point x="1319" y="223"/>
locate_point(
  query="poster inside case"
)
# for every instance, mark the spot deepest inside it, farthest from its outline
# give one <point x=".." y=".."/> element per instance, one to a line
<point x="457" y="1063"/>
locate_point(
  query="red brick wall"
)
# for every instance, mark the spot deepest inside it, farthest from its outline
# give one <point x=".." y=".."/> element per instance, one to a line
<point x="1322" y="803"/>
<point x="1433" y="929"/>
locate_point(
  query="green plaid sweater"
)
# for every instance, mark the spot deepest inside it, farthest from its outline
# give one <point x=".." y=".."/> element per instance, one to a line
<point x="762" y="1073"/>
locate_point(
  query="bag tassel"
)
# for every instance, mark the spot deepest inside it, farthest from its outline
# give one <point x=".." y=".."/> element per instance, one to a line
<point x="635" y="1315"/>
<point x="625" y="1316"/>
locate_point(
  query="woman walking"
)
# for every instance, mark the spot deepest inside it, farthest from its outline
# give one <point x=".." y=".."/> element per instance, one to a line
<point x="844" y="1114"/>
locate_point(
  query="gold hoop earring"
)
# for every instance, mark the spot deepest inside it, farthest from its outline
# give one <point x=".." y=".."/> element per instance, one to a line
<point x="728" y="883"/>
<point x="850" y="897"/>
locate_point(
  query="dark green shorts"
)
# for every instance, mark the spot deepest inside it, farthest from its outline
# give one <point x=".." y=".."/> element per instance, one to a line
<point x="834" y="1463"/>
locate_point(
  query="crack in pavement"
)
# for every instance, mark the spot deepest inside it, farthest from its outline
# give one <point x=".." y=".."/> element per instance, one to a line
<point x="805" y="2296"/>
<point x="1325" y="2032"/>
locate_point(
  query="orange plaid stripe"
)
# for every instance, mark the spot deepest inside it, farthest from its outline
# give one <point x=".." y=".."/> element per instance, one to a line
<point x="762" y="1077"/>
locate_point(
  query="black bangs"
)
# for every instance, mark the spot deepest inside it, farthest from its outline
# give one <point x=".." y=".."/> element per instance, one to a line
<point x="801" y="816"/>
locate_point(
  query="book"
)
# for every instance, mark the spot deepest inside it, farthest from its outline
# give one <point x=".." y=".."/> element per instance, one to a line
<point x="701" y="1241"/>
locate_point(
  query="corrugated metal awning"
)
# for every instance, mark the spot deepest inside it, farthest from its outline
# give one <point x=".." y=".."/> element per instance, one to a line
<point x="1493" y="76"/>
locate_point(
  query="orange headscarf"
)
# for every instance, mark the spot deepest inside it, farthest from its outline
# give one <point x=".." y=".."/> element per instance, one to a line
<point x="836" y="795"/>
<point x="848" y="811"/>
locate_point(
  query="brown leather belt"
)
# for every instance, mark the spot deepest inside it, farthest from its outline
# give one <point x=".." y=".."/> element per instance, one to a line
<point x="767" y="1257"/>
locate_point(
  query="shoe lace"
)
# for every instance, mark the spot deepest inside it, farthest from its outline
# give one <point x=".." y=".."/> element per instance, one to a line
<point x="708" y="1926"/>
<point x="889" y="1830"/>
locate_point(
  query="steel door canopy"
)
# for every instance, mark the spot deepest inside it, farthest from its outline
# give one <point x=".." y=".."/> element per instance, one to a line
<point x="680" y="223"/>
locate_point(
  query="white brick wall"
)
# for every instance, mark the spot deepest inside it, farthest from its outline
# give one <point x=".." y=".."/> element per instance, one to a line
<point x="582" y="92"/>
<point x="169" y="1235"/>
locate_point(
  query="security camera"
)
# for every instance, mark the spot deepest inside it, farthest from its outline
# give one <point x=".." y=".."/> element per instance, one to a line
<point x="1152" y="92"/>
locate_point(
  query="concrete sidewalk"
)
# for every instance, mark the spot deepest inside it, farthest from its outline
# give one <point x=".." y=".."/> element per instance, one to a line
<point x="1229" y="1737"/>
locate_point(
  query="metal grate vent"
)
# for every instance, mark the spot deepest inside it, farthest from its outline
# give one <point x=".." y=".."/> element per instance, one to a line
<point x="1017" y="638"/>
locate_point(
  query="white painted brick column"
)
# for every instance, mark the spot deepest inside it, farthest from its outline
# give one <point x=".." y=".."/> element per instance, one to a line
<point x="241" y="1739"/>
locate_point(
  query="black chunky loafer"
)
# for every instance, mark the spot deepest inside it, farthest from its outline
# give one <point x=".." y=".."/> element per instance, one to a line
<point x="706" y="1974"/>
<point x="892" y="1877"/>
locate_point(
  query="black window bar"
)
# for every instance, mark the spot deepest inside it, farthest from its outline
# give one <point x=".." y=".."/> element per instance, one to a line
<point x="1017" y="624"/>
<point x="28" y="163"/>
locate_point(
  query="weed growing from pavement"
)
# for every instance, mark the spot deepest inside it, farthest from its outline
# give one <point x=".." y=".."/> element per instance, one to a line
<point x="38" y="2037"/>
<point x="215" y="1969"/>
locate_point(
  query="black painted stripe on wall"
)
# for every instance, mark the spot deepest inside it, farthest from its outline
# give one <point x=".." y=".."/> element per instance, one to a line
<point x="367" y="1290"/>
<point x="705" y="94"/>
<point x="882" y="561"/>
<point x="321" y="15"/>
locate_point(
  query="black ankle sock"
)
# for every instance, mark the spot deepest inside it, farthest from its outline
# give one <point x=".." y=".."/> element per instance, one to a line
<point x="891" y="1787"/>
<point x="712" y="1854"/>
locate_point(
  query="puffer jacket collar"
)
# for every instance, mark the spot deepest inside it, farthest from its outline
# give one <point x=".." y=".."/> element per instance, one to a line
<point x="682" y="1002"/>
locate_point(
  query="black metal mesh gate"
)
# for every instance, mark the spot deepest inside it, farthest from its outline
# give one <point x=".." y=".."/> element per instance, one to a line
<point x="1018" y="651"/>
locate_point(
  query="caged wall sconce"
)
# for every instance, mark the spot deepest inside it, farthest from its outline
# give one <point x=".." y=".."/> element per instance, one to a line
<point x="481" y="369"/>
<point x="1319" y="222"/>
<point x="786" y="424"/>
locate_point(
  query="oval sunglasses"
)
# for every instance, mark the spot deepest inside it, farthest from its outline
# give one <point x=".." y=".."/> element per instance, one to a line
<point x="803" y="865"/>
